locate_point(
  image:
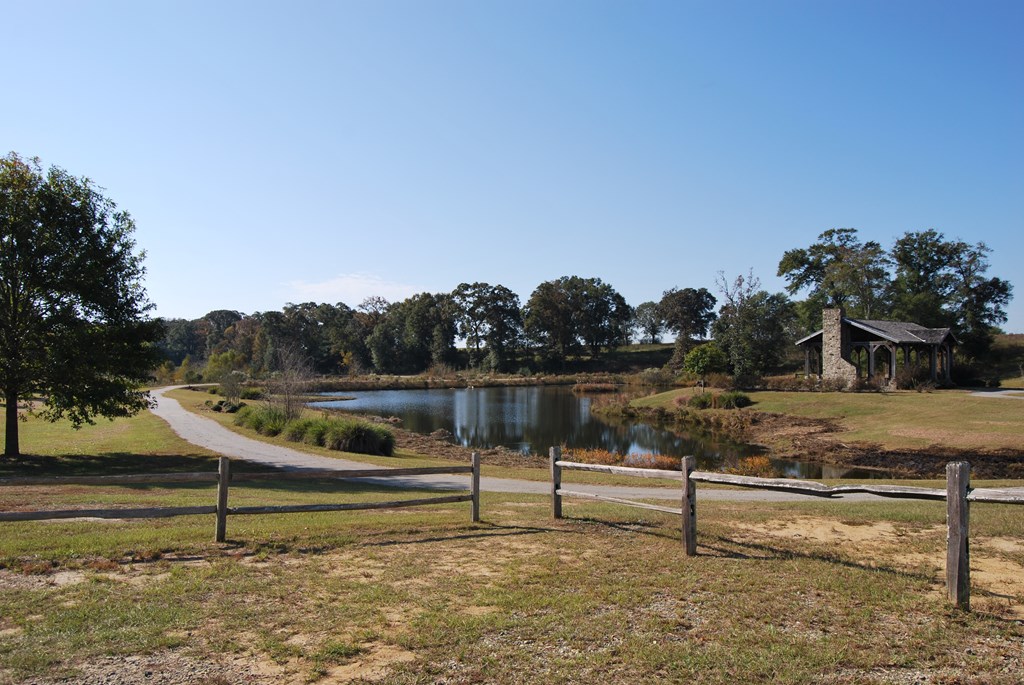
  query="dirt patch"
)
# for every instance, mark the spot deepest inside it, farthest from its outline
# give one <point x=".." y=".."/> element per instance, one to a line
<point x="827" y="530"/>
<point x="878" y="543"/>
<point x="372" y="665"/>
<point x="21" y="581"/>
<point x="167" y="668"/>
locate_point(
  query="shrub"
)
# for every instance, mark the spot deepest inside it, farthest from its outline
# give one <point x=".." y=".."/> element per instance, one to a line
<point x="759" y="466"/>
<point x="655" y="377"/>
<point x="718" y="380"/>
<point x="265" y="420"/>
<point x="734" y="400"/>
<point x="705" y="400"/>
<point x="350" y="435"/>
<point x="295" y="431"/>
<point x="316" y="432"/>
<point x="595" y="387"/>
<point x="252" y="394"/>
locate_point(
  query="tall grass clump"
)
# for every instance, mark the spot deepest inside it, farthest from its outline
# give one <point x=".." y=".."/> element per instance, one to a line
<point x="265" y="419"/>
<point x="351" y="435"/>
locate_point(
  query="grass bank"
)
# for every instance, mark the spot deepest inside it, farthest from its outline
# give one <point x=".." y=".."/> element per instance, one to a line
<point x="781" y="593"/>
<point x="918" y="431"/>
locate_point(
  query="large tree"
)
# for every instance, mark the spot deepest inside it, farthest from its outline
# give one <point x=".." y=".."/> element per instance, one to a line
<point x="838" y="271"/>
<point x="488" y="315"/>
<point x="754" y="327"/>
<point x="565" y="314"/>
<point x="74" y="326"/>
<point x="687" y="313"/>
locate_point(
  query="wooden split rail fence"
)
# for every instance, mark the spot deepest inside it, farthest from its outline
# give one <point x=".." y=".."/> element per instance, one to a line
<point x="224" y="478"/>
<point x="958" y="496"/>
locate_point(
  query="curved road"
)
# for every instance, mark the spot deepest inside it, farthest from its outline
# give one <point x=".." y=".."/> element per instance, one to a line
<point x="211" y="435"/>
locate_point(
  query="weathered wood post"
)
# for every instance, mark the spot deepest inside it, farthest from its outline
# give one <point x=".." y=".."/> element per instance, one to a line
<point x="958" y="554"/>
<point x="223" y="478"/>
<point x="689" y="507"/>
<point x="556" y="482"/>
<point x="475" y="484"/>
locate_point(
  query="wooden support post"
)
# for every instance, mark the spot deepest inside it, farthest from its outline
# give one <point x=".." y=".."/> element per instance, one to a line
<point x="689" y="507"/>
<point x="958" y="555"/>
<point x="475" y="483"/>
<point x="556" y="482"/>
<point x="223" y="478"/>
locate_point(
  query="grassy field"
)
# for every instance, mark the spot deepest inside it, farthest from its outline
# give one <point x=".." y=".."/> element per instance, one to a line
<point x="896" y="420"/>
<point x="780" y="593"/>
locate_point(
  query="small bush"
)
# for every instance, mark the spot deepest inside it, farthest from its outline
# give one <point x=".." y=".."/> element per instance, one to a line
<point x="316" y="432"/>
<point x="734" y="400"/>
<point x="252" y="394"/>
<point x="654" y="377"/>
<point x="349" y="435"/>
<point x="265" y="420"/>
<point x="759" y="467"/>
<point x="595" y="387"/>
<point x="704" y="400"/>
<point x="295" y="431"/>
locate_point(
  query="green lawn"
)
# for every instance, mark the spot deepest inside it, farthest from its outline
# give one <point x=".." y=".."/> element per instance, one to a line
<point x="896" y="420"/>
<point x="779" y="593"/>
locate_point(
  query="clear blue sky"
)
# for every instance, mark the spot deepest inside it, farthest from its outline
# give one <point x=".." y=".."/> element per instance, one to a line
<point x="284" y="152"/>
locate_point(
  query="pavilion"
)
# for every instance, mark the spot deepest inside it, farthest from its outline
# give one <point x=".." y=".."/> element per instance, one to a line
<point x="850" y="349"/>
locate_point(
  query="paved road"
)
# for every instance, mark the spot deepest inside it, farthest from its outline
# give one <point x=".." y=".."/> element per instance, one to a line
<point x="211" y="435"/>
<point x="1009" y="394"/>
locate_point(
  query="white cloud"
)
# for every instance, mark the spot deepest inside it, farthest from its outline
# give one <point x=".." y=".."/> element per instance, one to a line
<point x="350" y="289"/>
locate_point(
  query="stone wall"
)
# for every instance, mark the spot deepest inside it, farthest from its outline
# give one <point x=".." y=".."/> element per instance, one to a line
<point x="835" y="347"/>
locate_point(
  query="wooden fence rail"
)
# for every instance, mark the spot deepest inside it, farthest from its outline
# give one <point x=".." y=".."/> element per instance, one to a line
<point x="224" y="478"/>
<point x="958" y="495"/>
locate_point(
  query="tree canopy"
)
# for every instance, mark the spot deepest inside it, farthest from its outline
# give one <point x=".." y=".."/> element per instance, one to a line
<point x="73" y="312"/>
<point x="754" y="327"/>
<point x="923" y="278"/>
<point x="566" y="314"/>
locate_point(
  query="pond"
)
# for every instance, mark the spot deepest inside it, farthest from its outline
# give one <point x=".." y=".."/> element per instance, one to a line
<point x="532" y="419"/>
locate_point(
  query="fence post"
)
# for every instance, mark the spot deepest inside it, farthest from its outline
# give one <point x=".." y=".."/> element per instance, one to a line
<point x="958" y="555"/>
<point x="689" y="507"/>
<point x="223" y="478"/>
<point x="556" y="482"/>
<point x="475" y="483"/>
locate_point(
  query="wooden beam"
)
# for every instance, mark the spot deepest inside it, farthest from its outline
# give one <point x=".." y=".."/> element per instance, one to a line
<point x="958" y="555"/>
<point x="556" y="482"/>
<point x="148" y="513"/>
<point x="223" y="482"/>
<point x="619" y="500"/>
<point x="349" y="506"/>
<point x="996" y="496"/>
<point x="128" y="479"/>
<point x="689" y="507"/>
<point x="621" y="470"/>
<point x="313" y="474"/>
<point x="475" y="488"/>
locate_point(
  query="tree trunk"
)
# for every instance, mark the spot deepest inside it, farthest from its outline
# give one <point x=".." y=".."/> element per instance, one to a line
<point x="11" y="436"/>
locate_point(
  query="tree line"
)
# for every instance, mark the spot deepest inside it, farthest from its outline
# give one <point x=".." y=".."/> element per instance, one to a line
<point x="565" y="317"/>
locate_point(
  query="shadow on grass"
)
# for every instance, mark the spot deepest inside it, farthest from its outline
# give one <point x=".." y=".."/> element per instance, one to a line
<point x="112" y="464"/>
<point x="727" y="548"/>
<point x="493" y="531"/>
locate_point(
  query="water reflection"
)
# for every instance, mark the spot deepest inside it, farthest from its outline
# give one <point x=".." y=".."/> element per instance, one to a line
<point x="531" y="419"/>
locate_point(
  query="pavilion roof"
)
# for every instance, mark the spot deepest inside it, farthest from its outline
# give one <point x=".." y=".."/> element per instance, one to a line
<point x="899" y="332"/>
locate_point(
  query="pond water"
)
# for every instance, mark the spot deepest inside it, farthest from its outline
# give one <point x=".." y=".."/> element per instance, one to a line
<point x="532" y="419"/>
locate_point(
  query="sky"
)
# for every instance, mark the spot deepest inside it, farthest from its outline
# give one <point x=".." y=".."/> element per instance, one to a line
<point x="275" y="152"/>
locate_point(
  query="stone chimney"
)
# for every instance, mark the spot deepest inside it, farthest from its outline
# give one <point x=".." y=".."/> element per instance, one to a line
<point x="835" y="347"/>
